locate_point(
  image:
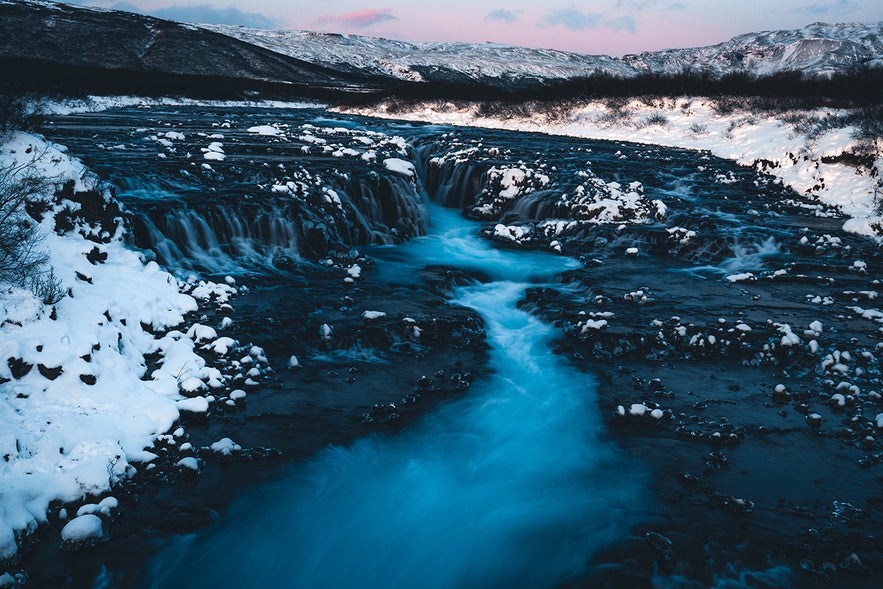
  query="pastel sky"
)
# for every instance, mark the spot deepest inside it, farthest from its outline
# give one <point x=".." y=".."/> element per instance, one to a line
<point x="611" y="27"/>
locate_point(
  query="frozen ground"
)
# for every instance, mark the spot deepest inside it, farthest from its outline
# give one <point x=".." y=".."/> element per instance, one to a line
<point x="815" y="164"/>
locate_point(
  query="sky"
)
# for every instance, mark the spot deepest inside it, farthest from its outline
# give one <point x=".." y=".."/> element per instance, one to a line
<point x="612" y="27"/>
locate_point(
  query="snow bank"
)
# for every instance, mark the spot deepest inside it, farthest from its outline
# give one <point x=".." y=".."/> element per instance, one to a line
<point x="99" y="103"/>
<point x="770" y="142"/>
<point x="75" y="413"/>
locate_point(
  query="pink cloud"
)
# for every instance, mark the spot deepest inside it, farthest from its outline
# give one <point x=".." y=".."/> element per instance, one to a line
<point x="360" y="19"/>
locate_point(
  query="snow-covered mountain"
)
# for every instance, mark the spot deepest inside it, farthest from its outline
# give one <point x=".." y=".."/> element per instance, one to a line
<point x="818" y="50"/>
<point x="124" y="52"/>
<point x="429" y="62"/>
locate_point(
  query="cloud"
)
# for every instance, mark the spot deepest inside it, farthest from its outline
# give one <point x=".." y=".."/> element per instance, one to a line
<point x="203" y="13"/>
<point x="634" y="4"/>
<point x="502" y="15"/>
<point x="577" y="20"/>
<point x="360" y="19"/>
<point x="573" y="19"/>
<point x="639" y="5"/>
<point x="837" y="7"/>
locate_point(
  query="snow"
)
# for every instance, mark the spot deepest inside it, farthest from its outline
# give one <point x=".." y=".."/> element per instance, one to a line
<point x="199" y="333"/>
<point x="373" y="315"/>
<point x="265" y="130"/>
<point x="222" y="345"/>
<point x="741" y="277"/>
<point x="638" y="409"/>
<point x="193" y="405"/>
<point x="69" y="106"/>
<point x="189" y="462"/>
<point x="225" y="447"/>
<point x="83" y="528"/>
<point x="400" y="166"/>
<point x="84" y="432"/>
<point x="191" y="385"/>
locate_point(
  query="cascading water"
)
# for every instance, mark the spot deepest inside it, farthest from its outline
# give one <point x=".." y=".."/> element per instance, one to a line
<point x="510" y="486"/>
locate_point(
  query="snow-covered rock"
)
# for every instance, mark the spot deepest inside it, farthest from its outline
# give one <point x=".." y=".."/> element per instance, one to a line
<point x="225" y="447"/>
<point x="82" y="530"/>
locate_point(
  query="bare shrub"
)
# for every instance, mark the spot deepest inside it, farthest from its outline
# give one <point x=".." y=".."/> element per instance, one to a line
<point x="22" y="261"/>
<point x="657" y="118"/>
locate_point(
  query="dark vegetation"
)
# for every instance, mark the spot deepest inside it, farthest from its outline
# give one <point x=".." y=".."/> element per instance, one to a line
<point x="30" y="76"/>
<point x="862" y="86"/>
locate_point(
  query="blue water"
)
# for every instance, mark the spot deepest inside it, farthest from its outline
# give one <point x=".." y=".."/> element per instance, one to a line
<point x="510" y="485"/>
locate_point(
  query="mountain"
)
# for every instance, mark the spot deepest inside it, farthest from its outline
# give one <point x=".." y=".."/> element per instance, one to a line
<point x="124" y="52"/>
<point x="46" y="43"/>
<point x="819" y="50"/>
<point x="486" y="63"/>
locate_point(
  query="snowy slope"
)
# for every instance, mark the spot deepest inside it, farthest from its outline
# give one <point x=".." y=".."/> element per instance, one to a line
<point x="816" y="50"/>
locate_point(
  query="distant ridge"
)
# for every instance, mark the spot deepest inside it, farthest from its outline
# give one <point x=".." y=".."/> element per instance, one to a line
<point x="53" y="46"/>
<point x="817" y="51"/>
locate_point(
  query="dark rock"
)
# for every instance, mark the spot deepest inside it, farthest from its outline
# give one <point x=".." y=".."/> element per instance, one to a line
<point x="18" y="367"/>
<point x="50" y="373"/>
<point x="661" y="544"/>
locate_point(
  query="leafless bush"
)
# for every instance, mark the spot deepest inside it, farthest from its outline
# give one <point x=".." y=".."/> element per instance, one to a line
<point x="14" y="113"/>
<point x="22" y="260"/>
<point x="657" y="118"/>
